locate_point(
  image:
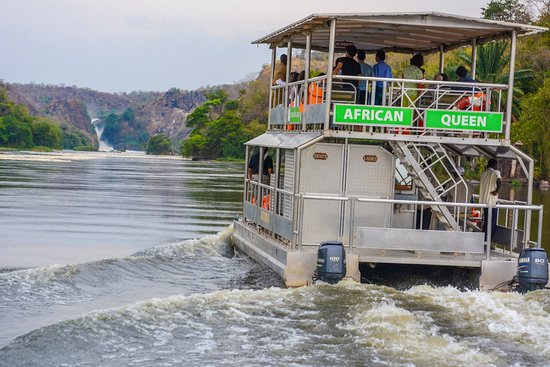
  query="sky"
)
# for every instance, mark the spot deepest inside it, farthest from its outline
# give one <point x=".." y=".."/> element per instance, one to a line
<point x="154" y="45"/>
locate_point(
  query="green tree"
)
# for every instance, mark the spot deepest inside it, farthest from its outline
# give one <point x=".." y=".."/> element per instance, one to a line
<point x="199" y="117"/>
<point x="129" y="115"/>
<point x="15" y="133"/>
<point x="6" y="106"/>
<point x="46" y="134"/>
<point x="254" y="102"/>
<point x="194" y="145"/>
<point x="111" y="131"/>
<point x="225" y="137"/>
<point x="221" y="126"/>
<point x="492" y="66"/>
<point x="506" y="10"/>
<point x="533" y="130"/>
<point x="159" y="144"/>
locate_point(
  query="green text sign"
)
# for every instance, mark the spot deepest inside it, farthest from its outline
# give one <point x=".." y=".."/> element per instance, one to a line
<point x="464" y="120"/>
<point x="294" y="115"/>
<point x="372" y="115"/>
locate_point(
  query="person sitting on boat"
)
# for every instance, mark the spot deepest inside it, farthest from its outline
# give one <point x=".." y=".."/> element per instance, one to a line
<point x="254" y="167"/>
<point x="348" y="66"/>
<point x="381" y="70"/>
<point x="462" y="75"/>
<point x="441" y="77"/>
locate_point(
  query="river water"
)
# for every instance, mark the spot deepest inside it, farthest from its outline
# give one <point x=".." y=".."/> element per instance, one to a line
<point x="124" y="260"/>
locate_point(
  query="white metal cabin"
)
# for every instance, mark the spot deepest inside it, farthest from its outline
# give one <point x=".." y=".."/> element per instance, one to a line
<point x="365" y="174"/>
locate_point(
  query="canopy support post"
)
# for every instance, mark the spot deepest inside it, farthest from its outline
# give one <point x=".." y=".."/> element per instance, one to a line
<point x="273" y="61"/>
<point x="328" y="95"/>
<point x="474" y="58"/>
<point x="287" y="93"/>
<point x="306" y="78"/>
<point x="510" y="97"/>
<point x="441" y="59"/>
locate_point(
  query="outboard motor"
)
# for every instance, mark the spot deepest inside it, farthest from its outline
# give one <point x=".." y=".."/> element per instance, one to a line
<point x="331" y="262"/>
<point x="532" y="269"/>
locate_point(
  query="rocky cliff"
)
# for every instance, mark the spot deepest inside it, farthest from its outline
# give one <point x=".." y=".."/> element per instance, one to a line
<point x="74" y="108"/>
<point x="167" y="113"/>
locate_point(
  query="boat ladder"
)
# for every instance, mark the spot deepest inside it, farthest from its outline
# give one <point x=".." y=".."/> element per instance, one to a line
<point x="422" y="160"/>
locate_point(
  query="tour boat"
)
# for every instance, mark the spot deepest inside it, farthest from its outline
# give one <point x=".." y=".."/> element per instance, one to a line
<point x="380" y="182"/>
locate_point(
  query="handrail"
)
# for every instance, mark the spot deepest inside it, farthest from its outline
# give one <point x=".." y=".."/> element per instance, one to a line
<point x="425" y="81"/>
<point x="422" y="203"/>
<point x="419" y="95"/>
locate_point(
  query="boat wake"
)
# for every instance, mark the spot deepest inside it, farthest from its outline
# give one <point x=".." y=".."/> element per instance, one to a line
<point x="346" y="324"/>
<point x="30" y="297"/>
<point x="196" y="303"/>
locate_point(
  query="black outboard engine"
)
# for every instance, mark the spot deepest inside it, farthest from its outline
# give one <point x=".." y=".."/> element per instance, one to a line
<point x="532" y="269"/>
<point x="331" y="262"/>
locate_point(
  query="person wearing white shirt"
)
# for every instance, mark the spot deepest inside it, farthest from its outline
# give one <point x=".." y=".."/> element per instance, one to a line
<point x="488" y="194"/>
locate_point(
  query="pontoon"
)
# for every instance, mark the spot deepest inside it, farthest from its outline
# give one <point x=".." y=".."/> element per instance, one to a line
<point x="378" y="177"/>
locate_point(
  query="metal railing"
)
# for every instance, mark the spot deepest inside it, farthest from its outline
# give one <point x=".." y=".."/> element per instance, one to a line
<point x="266" y="198"/>
<point x="514" y="220"/>
<point x="511" y="215"/>
<point x="306" y="102"/>
<point x="418" y="206"/>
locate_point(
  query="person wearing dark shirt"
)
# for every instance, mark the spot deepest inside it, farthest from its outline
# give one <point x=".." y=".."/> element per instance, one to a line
<point x="463" y="77"/>
<point x="348" y="66"/>
<point x="254" y="166"/>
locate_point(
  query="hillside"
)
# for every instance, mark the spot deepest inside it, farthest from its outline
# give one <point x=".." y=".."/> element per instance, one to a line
<point x="74" y="108"/>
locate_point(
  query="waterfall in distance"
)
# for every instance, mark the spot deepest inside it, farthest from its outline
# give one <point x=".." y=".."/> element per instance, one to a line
<point x="103" y="145"/>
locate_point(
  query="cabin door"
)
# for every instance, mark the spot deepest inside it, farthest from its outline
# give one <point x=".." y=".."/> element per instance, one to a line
<point x="321" y="171"/>
<point x="370" y="174"/>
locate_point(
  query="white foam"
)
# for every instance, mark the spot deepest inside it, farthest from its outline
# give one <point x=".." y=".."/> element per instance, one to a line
<point x="47" y="283"/>
<point x="402" y="336"/>
<point x="510" y="317"/>
<point x="209" y="245"/>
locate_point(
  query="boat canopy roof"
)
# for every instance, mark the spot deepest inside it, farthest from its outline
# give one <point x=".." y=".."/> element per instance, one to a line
<point x="283" y="140"/>
<point x="400" y="32"/>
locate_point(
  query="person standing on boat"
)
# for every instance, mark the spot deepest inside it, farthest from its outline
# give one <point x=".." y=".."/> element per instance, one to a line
<point x="348" y="66"/>
<point x="412" y="72"/>
<point x="254" y="167"/>
<point x="279" y="74"/>
<point x="366" y="70"/>
<point x="381" y="70"/>
<point x="279" y="78"/>
<point x="488" y="194"/>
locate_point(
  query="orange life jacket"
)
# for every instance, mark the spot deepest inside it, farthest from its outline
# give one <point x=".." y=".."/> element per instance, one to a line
<point x="266" y="201"/>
